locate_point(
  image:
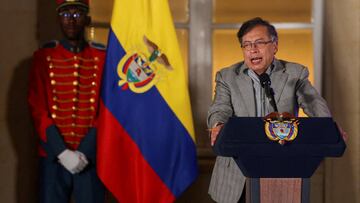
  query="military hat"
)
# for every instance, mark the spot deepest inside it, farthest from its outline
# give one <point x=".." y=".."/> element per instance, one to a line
<point x="81" y="3"/>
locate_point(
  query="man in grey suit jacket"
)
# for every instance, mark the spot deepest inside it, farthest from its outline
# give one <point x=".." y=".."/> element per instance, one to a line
<point x="239" y="93"/>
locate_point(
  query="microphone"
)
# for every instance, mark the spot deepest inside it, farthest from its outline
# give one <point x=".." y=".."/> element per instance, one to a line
<point x="266" y="84"/>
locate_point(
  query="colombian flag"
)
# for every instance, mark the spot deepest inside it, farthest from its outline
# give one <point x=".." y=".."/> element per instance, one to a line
<point x="146" y="149"/>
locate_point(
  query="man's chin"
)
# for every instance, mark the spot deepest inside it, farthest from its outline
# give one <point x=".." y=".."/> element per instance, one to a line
<point x="73" y="38"/>
<point x="258" y="69"/>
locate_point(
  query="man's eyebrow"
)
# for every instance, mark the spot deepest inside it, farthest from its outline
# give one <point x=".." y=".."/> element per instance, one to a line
<point x="261" y="38"/>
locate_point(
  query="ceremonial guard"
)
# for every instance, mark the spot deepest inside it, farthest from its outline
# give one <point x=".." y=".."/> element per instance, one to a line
<point x="64" y="86"/>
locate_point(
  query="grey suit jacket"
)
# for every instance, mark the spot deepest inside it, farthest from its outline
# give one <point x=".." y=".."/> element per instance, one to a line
<point x="234" y="96"/>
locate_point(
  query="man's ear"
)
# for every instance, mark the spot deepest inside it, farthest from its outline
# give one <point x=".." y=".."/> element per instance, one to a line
<point x="275" y="47"/>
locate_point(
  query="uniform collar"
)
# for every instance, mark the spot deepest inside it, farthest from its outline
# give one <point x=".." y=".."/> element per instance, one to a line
<point x="74" y="49"/>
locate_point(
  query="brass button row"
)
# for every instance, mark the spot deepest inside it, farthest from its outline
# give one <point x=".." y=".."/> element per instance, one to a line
<point x="54" y="116"/>
<point x="73" y="125"/>
<point x="72" y="142"/>
<point x="75" y="74"/>
<point x="88" y="77"/>
<point x="75" y="65"/>
<point x="48" y="58"/>
<point x="73" y="134"/>
<point x="93" y="84"/>
<point x="91" y="92"/>
<point x="54" y="82"/>
<point x="56" y="99"/>
<point x="74" y="83"/>
<point x="84" y="59"/>
<point x="73" y="108"/>
<point x="74" y="91"/>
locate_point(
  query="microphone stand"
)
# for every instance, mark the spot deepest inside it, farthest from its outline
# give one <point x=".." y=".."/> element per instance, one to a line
<point x="265" y="83"/>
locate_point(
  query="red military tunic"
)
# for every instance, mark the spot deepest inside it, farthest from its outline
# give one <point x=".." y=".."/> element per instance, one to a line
<point x="64" y="91"/>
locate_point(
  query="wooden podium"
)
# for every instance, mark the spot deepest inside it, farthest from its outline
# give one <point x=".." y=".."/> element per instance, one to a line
<point x="278" y="190"/>
<point x="279" y="173"/>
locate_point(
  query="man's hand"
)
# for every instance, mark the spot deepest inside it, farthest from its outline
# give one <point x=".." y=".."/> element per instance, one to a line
<point x="73" y="161"/>
<point x="342" y="133"/>
<point x="82" y="158"/>
<point x="214" y="132"/>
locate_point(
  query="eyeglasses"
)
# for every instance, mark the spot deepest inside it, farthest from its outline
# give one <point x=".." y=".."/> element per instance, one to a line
<point x="257" y="44"/>
<point x="67" y="15"/>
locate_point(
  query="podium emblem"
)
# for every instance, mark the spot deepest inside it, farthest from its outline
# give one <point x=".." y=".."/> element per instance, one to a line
<point x="281" y="127"/>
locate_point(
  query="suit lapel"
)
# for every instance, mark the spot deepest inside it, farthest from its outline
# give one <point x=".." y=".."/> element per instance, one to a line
<point x="278" y="79"/>
<point x="246" y="90"/>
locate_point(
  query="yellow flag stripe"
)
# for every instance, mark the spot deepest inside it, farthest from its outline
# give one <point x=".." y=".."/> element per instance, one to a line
<point x="130" y="22"/>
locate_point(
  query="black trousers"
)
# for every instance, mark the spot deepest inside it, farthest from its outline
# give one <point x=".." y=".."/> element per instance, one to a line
<point x="57" y="185"/>
<point x="243" y="196"/>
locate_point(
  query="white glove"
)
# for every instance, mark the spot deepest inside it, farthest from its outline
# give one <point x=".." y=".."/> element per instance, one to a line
<point x="82" y="158"/>
<point x="72" y="161"/>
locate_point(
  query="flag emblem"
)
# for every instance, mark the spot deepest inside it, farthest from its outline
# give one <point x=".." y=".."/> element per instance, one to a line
<point x="139" y="71"/>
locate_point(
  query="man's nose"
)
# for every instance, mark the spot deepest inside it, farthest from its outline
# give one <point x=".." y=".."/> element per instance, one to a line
<point x="254" y="49"/>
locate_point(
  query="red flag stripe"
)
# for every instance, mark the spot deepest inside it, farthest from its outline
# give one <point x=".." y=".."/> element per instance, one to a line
<point x="123" y="168"/>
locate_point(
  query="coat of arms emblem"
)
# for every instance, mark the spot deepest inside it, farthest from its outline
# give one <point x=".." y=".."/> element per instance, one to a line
<point x="138" y="72"/>
<point x="281" y="127"/>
